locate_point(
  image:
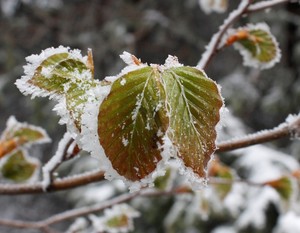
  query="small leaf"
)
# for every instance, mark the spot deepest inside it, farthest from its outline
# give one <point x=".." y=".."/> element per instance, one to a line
<point x="219" y="170"/>
<point x="132" y="122"/>
<point x="18" y="167"/>
<point x="283" y="186"/>
<point x="194" y="102"/>
<point x="119" y="218"/>
<point x="19" y="134"/>
<point x="256" y="44"/>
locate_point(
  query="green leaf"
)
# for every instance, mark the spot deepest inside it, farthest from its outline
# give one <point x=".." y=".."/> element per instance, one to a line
<point x="18" y="167"/>
<point x="194" y="102"/>
<point x="132" y="121"/>
<point x="283" y="186"/>
<point x="258" y="46"/>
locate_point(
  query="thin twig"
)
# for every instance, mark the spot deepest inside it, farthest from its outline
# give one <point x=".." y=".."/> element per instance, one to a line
<point x="283" y="130"/>
<point x="264" y="5"/>
<point x="57" y="185"/>
<point x="74" y="213"/>
<point x="71" y="214"/>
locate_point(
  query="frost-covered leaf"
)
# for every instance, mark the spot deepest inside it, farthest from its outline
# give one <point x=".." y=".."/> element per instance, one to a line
<point x="256" y="44"/>
<point x="62" y="74"/>
<point x="219" y="170"/>
<point x="119" y="218"/>
<point x="19" y="167"/>
<point x="194" y="102"/>
<point x="19" y="134"/>
<point x="132" y="121"/>
<point x="283" y="186"/>
<point x="208" y="6"/>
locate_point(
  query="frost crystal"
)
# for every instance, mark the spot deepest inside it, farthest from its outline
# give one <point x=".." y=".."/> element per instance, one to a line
<point x="132" y="62"/>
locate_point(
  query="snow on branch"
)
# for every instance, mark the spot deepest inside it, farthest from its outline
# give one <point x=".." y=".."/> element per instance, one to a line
<point x="291" y="127"/>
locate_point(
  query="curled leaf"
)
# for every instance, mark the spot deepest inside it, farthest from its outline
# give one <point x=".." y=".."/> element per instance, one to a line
<point x="256" y="44"/>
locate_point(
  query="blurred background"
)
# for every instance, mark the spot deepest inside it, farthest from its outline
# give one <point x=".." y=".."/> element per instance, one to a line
<point x="151" y="30"/>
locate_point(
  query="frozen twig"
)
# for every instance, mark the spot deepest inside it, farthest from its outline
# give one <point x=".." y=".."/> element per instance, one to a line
<point x="264" y="5"/>
<point x="56" y="185"/>
<point x="83" y="211"/>
<point x="289" y="128"/>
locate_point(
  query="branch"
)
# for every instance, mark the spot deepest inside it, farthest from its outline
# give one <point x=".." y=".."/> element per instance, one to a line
<point x="265" y="5"/>
<point x="289" y="128"/>
<point x="57" y="185"/>
<point x="70" y="214"/>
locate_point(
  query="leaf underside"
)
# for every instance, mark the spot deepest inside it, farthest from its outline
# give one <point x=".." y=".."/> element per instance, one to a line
<point x="262" y="47"/>
<point x="194" y="102"/>
<point x="132" y="122"/>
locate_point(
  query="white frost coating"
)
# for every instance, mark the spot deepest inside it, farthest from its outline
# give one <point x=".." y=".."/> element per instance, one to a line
<point x="248" y="59"/>
<point x="131" y="66"/>
<point x="255" y="212"/>
<point x="293" y="122"/>
<point x="34" y="61"/>
<point x="127" y="58"/>
<point x="216" y="38"/>
<point x="56" y="159"/>
<point x="12" y="125"/>
<point x="172" y="61"/>
<point x="79" y="225"/>
<point x="125" y="141"/>
<point x="288" y="223"/>
<point x="208" y="6"/>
